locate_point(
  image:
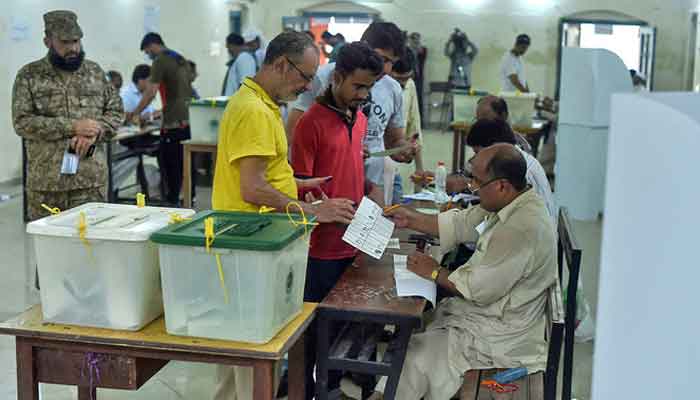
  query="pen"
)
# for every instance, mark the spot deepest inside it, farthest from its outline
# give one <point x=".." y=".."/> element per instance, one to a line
<point x="395" y="206"/>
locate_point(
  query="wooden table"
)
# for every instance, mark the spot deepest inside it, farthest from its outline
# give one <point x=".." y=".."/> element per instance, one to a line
<point x="365" y="300"/>
<point x="90" y="358"/>
<point x="189" y="147"/>
<point x="460" y="131"/>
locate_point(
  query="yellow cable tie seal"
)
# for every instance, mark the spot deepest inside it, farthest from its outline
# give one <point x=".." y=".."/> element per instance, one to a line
<point x="265" y="209"/>
<point x="472" y="92"/>
<point x="209" y="237"/>
<point x="176" y="218"/>
<point x="53" y="211"/>
<point x="82" y="233"/>
<point x="304" y="221"/>
<point x="140" y="200"/>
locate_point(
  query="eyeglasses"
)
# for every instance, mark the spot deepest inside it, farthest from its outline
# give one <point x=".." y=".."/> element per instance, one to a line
<point x="472" y="180"/>
<point x="303" y="75"/>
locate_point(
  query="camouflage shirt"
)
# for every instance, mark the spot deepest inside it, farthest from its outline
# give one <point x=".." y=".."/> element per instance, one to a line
<point x="45" y="103"/>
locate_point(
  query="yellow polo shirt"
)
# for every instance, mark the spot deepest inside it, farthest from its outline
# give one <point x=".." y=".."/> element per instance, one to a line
<point x="250" y="127"/>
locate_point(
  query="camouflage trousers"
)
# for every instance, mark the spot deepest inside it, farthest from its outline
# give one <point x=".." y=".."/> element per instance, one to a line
<point x="61" y="200"/>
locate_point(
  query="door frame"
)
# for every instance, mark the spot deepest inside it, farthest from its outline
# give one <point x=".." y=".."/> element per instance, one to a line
<point x="573" y="20"/>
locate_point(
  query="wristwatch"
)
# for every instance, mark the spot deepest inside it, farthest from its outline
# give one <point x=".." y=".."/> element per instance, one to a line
<point x="435" y="274"/>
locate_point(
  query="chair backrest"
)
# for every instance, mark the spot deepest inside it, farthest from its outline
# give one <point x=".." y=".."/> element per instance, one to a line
<point x="554" y="335"/>
<point x="569" y="252"/>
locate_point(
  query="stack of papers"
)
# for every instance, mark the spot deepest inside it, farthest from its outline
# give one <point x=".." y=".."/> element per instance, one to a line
<point x="426" y="195"/>
<point x="410" y="284"/>
<point x="369" y="231"/>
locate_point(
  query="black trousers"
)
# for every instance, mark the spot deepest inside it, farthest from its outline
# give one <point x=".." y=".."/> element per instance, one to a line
<point x="170" y="161"/>
<point x="321" y="277"/>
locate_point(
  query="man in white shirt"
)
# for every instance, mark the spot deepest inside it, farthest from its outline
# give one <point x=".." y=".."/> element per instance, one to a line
<point x="242" y="64"/>
<point x="132" y="93"/>
<point x="512" y="69"/>
<point x="256" y="44"/>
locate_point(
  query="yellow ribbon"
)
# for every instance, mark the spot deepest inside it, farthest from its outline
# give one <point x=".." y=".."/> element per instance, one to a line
<point x="140" y="200"/>
<point x="209" y="237"/>
<point x="177" y="218"/>
<point x="82" y="233"/>
<point x="53" y="211"/>
<point x="304" y="221"/>
<point x="265" y="209"/>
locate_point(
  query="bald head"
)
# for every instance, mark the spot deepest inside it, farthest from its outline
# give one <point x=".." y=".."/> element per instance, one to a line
<point x="492" y="107"/>
<point x="504" y="161"/>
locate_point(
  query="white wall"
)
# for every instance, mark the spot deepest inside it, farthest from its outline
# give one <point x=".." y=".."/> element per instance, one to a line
<point x="113" y="30"/>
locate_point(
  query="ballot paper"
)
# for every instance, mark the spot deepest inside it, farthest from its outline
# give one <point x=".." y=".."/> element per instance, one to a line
<point x="394" y="244"/>
<point x="369" y="231"/>
<point x="410" y="284"/>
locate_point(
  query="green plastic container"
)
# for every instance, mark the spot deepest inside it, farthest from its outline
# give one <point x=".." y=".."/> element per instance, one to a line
<point x="257" y="290"/>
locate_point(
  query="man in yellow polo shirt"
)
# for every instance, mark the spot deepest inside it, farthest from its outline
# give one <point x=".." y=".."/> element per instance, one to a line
<point x="252" y="170"/>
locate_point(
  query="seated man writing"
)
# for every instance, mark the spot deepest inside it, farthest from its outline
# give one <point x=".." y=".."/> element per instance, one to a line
<point x="496" y="318"/>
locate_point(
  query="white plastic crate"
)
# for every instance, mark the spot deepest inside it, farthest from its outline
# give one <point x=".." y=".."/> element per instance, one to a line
<point x="108" y="279"/>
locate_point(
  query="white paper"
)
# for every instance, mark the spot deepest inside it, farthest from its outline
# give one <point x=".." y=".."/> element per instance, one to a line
<point x="410" y="284"/>
<point x="369" y="231"/>
<point x="426" y="195"/>
<point x="394" y="244"/>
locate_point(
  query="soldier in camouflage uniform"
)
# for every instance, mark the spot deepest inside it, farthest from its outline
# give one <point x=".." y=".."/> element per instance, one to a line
<point x="59" y="102"/>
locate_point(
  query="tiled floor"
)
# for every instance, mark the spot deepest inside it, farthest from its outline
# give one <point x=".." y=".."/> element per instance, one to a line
<point x="196" y="381"/>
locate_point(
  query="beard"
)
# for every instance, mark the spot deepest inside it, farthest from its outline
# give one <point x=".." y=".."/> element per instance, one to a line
<point x="70" y="63"/>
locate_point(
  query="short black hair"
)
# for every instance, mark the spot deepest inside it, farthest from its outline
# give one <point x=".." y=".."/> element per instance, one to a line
<point x="499" y="106"/>
<point x="235" y="39"/>
<point x="406" y="64"/>
<point x="193" y="65"/>
<point x="290" y="44"/>
<point x="113" y="74"/>
<point x="509" y="163"/>
<point x="326" y="35"/>
<point x="385" y="36"/>
<point x="358" y="55"/>
<point x="523" y="39"/>
<point x="486" y="132"/>
<point x="141" y="71"/>
<point x="151" y="38"/>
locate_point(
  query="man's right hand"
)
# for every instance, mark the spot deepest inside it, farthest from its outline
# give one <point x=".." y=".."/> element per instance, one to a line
<point x="335" y="210"/>
<point x="402" y="216"/>
<point x="86" y="128"/>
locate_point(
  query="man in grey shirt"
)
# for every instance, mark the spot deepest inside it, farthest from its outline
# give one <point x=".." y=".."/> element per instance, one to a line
<point x="384" y="109"/>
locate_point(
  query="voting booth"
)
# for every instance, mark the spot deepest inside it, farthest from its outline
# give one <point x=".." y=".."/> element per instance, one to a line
<point x="240" y="278"/>
<point x="97" y="266"/>
<point x="647" y="322"/>
<point x="588" y="78"/>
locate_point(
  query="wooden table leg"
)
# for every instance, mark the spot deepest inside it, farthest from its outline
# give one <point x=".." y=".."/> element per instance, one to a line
<point x="186" y="176"/>
<point x="263" y="380"/>
<point x="297" y="372"/>
<point x="27" y="385"/>
<point x="85" y="393"/>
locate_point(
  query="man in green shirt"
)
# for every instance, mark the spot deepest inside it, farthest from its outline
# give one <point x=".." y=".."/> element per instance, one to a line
<point x="171" y="75"/>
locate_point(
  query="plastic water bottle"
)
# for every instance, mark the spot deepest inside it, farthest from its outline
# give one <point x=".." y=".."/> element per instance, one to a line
<point x="441" y="184"/>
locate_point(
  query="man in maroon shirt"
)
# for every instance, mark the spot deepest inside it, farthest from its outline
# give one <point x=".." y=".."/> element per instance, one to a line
<point x="328" y="142"/>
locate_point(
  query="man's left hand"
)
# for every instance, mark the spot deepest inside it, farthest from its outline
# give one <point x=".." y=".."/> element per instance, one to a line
<point x="422" y="265"/>
<point x="406" y="156"/>
<point x="81" y="144"/>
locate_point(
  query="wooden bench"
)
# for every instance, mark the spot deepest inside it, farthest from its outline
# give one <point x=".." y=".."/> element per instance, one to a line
<point x="537" y="386"/>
